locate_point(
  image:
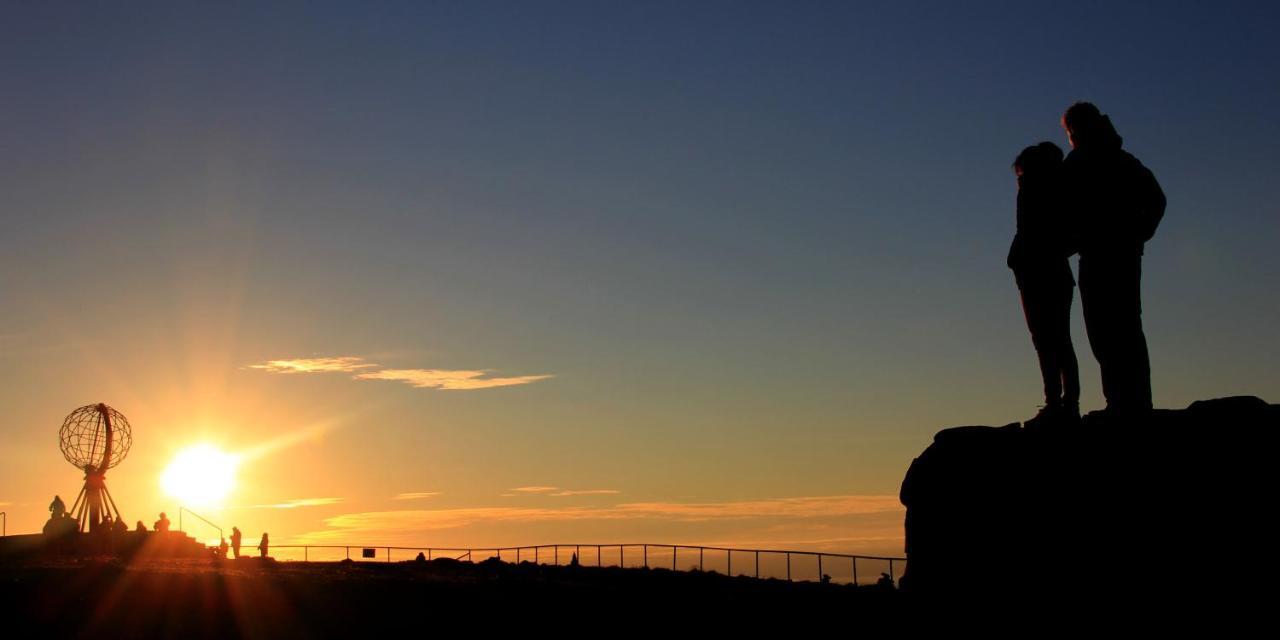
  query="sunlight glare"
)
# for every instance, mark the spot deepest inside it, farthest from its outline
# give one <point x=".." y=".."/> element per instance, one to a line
<point x="200" y="476"/>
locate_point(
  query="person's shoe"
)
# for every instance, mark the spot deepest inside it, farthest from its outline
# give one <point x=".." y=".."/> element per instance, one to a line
<point x="1052" y="415"/>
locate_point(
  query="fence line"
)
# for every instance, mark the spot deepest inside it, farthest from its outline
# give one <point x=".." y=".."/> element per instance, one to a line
<point x="522" y="552"/>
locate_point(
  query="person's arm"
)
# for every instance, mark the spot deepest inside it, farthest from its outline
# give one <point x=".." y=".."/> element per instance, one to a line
<point x="1152" y="202"/>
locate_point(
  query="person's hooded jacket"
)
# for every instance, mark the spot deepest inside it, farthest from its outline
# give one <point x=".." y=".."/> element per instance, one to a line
<point x="1113" y="200"/>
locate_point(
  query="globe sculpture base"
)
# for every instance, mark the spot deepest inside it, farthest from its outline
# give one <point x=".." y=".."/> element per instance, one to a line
<point x="94" y="504"/>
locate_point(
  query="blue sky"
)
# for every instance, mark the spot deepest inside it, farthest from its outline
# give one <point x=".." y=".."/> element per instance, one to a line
<point x="758" y="247"/>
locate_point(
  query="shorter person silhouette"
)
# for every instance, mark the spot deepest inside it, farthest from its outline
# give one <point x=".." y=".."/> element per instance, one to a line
<point x="236" y="536"/>
<point x="1038" y="257"/>
<point x="162" y="525"/>
<point x="262" y="546"/>
<point x="222" y="549"/>
<point x="140" y="528"/>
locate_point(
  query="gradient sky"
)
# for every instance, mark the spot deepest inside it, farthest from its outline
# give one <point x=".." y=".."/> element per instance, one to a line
<point x="757" y="248"/>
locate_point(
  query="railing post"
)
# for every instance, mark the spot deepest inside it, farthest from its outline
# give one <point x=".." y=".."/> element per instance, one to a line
<point x="517" y="555"/>
<point x="891" y="576"/>
<point x="729" y="562"/>
<point x="788" y="566"/>
<point x="757" y="564"/>
<point x="598" y="556"/>
<point x="388" y="554"/>
<point x="646" y="556"/>
<point x="557" y="555"/>
<point x="855" y="571"/>
<point x="348" y="553"/>
<point x="429" y="553"/>
<point x="700" y="553"/>
<point x="674" y="551"/>
<point x="820" y="574"/>
<point x="306" y="556"/>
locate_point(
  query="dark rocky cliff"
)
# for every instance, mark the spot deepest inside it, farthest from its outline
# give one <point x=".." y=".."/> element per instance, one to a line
<point x="1179" y="499"/>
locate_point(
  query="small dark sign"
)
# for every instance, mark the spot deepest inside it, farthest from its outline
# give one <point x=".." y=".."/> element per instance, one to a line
<point x="369" y="553"/>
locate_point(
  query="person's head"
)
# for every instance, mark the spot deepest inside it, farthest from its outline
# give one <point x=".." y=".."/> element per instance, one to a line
<point x="162" y="516"/>
<point x="1037" y="159"/>
<point x="1087" y="126"/>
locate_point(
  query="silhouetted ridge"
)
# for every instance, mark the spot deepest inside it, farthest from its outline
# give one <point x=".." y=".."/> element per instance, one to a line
<point x="1175" y="501"/>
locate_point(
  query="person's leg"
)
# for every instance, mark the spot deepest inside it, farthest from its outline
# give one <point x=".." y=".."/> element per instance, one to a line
<point x="1068" y="367"/>
<point x="1038" y="311"/>
<point x="1110" y="295"/>
<point x="1094" y="304"/>
<point x="1132" y="341"/>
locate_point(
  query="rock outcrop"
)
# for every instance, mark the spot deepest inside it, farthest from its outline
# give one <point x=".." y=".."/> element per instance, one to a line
<point x="1174" y="500"/>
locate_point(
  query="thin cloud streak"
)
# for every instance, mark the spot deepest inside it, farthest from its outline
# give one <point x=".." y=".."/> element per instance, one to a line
<point x="558" y="492"/>
<point x="381" y="523"/>
<point x="343" y="364"/>
<point x="416" y="495"/>
<point x="447" y="379"/>
<point x="294" y="504"/>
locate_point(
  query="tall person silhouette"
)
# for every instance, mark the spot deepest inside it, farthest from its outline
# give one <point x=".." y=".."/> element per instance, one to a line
<point x="1116" y="204"/>
<point x="1039" y="259"/>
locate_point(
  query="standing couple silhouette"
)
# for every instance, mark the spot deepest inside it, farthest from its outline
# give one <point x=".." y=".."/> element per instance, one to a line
<point x="1103" y="204"/>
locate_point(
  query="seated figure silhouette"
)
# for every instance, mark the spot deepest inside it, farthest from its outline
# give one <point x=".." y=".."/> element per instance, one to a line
<point x="1039" y="259"/>
<point x="263" y="545"/>
<point x="140" y="528"/>
<point x="1116" y="204"/>
<point x="162" y="525"/>
<point x="57" y="508"/>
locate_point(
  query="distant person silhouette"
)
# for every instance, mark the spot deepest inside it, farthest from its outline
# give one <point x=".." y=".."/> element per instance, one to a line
<point x="1039" y="259"/>
<point x="263" y="545"/>
<point x="140" y="528"/>
<point x="1116" y="204"/>
<point x="57" y="507"/>
<point x="162" y="525"/>
<point x="222" y="549"/>
<point x="236" y="537"/>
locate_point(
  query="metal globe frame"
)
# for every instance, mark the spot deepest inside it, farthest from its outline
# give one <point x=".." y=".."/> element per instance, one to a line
<point x="95" y="438"/>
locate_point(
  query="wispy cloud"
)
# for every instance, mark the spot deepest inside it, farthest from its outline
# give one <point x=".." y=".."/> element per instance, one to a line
<point x="343" y="364"/>
<point x="535" y="489"/>
<point x="416" y="495"/>
<point x="557" y="491"/>
<point x="409" y="523"/>
<point x="294" y="504"/>
<point x="444" y="379"/>
<point x="447" y="379"/>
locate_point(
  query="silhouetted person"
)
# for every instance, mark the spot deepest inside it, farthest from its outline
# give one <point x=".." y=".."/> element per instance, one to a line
<point x="421" y="557"/>
<point x="57" y="507"/>
<point x="222" y="548"/>
<point x="263" y="545"/>
<point x="236" y="536"/>
<point x="1116" y="204"/>
<point x="140" y="528"/>
<point x="1038" y="257"/>
<point x="120" y="528"/>
<point x="162" y="525"/>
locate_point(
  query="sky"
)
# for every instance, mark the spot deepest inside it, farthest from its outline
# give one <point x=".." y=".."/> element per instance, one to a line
<point x="555" y="272"/>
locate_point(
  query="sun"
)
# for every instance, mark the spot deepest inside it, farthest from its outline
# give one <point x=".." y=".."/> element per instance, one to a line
<point x="200" y="476"/>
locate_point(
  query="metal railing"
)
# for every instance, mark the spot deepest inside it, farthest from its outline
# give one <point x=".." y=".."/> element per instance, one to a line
<point x="4" y="524"/>
<point x="823" y="559"/>
<point x="202" y="519"/>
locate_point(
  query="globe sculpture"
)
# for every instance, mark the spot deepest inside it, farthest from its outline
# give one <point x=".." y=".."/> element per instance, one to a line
<point x="95" y="438"/>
